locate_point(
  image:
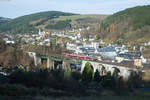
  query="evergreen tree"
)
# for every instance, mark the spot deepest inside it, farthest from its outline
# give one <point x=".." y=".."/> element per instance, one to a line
<point x="108" y="80"/>
<point x="67" y="73"/>
<point x="116" y="79"/>
<point x="116" y="73"/>
<point x="97" y="76"/>
<point x="87" y="75"/>
<point x="76" y="75"/>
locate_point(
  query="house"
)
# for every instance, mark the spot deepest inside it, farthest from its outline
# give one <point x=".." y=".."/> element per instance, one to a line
<point x="101" y="42"/>
<point x="123" y="57"/>
<point x="120" y="49"/>
<point x="90" y="50"/>
<point x="138" y="48"/>
<point x="91" y="38"/>
<point x="73" y="37"/>
<point x="107" y="52"/>
<point x="147" y="43"/>
<point x="138" y="63"/>
<point x="10" y="42"/>
<point x="84" y="39"/>
<point x="78" y="41"/>
<point x="80" y="50"/>
<point x="127" y="57"/>
<point x="88" y="28"/>
<point x="144" y="60"/>
<point x="8" y="39"/>
<point x="79" y="35"/>
<point x="71" y="46"/>
<point x="86" y="45"/>
<point x="95" y="45"/>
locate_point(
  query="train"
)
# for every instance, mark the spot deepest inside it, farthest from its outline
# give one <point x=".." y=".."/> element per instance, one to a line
<point x="75" y="56"/>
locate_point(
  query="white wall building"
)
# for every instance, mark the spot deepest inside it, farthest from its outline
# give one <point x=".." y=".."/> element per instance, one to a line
<point x="71" y="46"/>
<point x="95" y="45"/>
<point x="10" y="42"/>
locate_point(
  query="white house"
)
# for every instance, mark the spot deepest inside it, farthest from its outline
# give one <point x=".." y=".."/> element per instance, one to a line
<point x="144" y="60"/>
<point x="79" y="35"/>
<point x="95" y="45"/>
<point x="71" y="46"/>
<point x="108" y="52"/>
<point x="80" y="50"/>
<point x="10" y="42"/>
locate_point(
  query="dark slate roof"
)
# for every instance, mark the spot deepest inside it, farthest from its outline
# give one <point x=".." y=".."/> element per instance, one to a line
<point x="129" y="55"/>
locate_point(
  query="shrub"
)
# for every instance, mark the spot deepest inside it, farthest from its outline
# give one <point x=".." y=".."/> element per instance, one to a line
<point x="76" y="75"/>
<point x="107" y="81"/>
<point x="13" y="90"/>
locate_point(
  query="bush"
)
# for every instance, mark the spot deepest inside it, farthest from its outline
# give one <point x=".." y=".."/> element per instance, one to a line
<point x="76" y="75"/>
<point x="108" y="81"/>
<point x="13" y="90"/>
<point x="31" y="79"/>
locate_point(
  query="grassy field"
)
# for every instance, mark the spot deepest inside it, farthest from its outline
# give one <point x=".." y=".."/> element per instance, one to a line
<point x="75" y="17"/>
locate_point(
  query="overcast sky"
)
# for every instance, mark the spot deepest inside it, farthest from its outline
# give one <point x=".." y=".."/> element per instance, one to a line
<point x="16" y="8"/>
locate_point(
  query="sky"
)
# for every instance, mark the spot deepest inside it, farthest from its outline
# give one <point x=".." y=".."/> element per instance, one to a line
<point x="16" y="8"/>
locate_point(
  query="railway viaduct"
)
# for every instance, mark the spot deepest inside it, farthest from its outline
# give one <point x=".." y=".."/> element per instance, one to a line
<point x="53" y="61"/>
<point x="125" y="71"/>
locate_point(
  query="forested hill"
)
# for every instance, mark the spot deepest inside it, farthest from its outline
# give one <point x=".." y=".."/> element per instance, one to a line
<point x="130" y="24"/>
<point x="51" y="20"/>
<point x="27" y="23"/>
<point x="3" y="20"/>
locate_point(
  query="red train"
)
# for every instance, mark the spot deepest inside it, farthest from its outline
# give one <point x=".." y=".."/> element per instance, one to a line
<point x="78" y="57"/>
